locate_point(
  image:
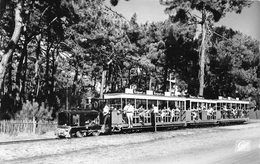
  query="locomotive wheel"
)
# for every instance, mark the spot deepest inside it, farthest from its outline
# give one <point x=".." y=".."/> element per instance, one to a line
<point x="97" y="133"/>
<point x="79" y="134"/>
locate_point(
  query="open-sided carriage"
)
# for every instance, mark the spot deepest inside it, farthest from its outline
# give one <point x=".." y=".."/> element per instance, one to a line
<point x="172" y="112"/>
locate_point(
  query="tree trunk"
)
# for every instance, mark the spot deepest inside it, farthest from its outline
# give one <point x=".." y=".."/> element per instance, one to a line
<point x="103" y="83"/>
<point x="20" y="65"/>
<point x="23" y="90"/>
<point x="165" y="76"/>
<point x="47" y="71"/>
<point x="36" y="77"/>
<point x="150" y="82"/>
<point x="11" y="45"/>
<point x="10" y="83"/>
<point x="202" y="56"/>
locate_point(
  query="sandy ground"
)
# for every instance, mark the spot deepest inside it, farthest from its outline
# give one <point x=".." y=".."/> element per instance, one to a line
<point x="202" y="145"/>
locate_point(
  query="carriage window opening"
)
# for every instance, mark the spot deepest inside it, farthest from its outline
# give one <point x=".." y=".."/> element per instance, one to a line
<point x="246" y="107"/>
<point x="218" y="106"/>
<point x="203" y="106"/>
<point x="162" y="104"/>
<point x="140" y="102"/>
<point x="242" y="106"/>
<point x="182" y="105"/>
<point x="115" y="103"/>
<point x="213" y="106"/>
<point x="131" y="101"/>
<point x="222" y="106"/>
<point x="123" y="103"/>
<point x="172" y="105"/>
<point x="229" y="106"/>
<point x="194" y="105"/>
<point x="234" y="106"/>
<point x="151" y="102"/>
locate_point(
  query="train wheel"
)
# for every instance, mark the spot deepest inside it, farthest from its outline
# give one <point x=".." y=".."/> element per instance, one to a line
<point x="97" y="133"/>
<point x="79" y="134"/>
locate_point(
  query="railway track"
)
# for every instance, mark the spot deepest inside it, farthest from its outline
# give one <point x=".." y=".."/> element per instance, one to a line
<point x="27" y="141"/>
<point x="125" y="131"/>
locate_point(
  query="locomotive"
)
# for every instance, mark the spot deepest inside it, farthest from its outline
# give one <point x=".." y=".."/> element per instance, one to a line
<point x="173" y="112"/>
<point x="81" y="122"/>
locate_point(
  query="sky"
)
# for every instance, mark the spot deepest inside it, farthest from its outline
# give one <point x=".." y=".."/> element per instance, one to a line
<point x="248" y="21"/>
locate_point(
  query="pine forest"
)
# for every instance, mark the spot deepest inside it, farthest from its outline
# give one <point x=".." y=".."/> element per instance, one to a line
<point x="53" y="54"/>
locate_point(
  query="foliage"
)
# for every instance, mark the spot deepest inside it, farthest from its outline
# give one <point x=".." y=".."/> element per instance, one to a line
<point x="233" y="65"/>
<point x="32" y="110"/>
<point x="211" y="11"/>
<point x="65" y="46"/>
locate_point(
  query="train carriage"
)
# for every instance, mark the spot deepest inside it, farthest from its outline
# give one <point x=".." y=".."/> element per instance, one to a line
<point x="170" y="109"/>
<point x="233" y="110"/>
<point x="150" y="111"/>
<point x="202" y="110"/>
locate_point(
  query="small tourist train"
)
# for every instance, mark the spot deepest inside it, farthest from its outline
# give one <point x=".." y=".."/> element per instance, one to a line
<point x="130" y="111"/>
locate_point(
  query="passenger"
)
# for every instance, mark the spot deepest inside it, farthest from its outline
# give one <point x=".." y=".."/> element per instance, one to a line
<point x="177" y="110"/>
<point x="203" y="107"/>
<point x="155" y="110"/>
<point x="164" y="112"/>
<point x="199" y="110"/>
<point x="234" y="112"/>
<point x="129" y="110"/>
<point x="210" y="111"/>
<point x="106" y="110"/>
<point x="172" y="114"/>
<point x="141" y="114"/>
<point x="194" y="113"/>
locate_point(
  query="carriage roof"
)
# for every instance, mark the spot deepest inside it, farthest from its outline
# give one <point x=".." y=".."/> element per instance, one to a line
<point x="143" y="96"/>
<point x="170" y="98"/>
<point x="81" y="112"/>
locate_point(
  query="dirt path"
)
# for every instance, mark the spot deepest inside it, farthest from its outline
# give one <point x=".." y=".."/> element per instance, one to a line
<point x="204" y="145"/>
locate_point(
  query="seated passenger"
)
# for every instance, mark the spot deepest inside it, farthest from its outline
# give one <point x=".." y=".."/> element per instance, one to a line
<point x="194" y="114"/>
<point x="224" y="111"/>
<point x="199" y="109"/>
<point x="177" y="111"/>
<point x="210" y="111"/>
<point x="234" y="113"/>
<point x="141" y="114"/>
<point x="164" y="112"/>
